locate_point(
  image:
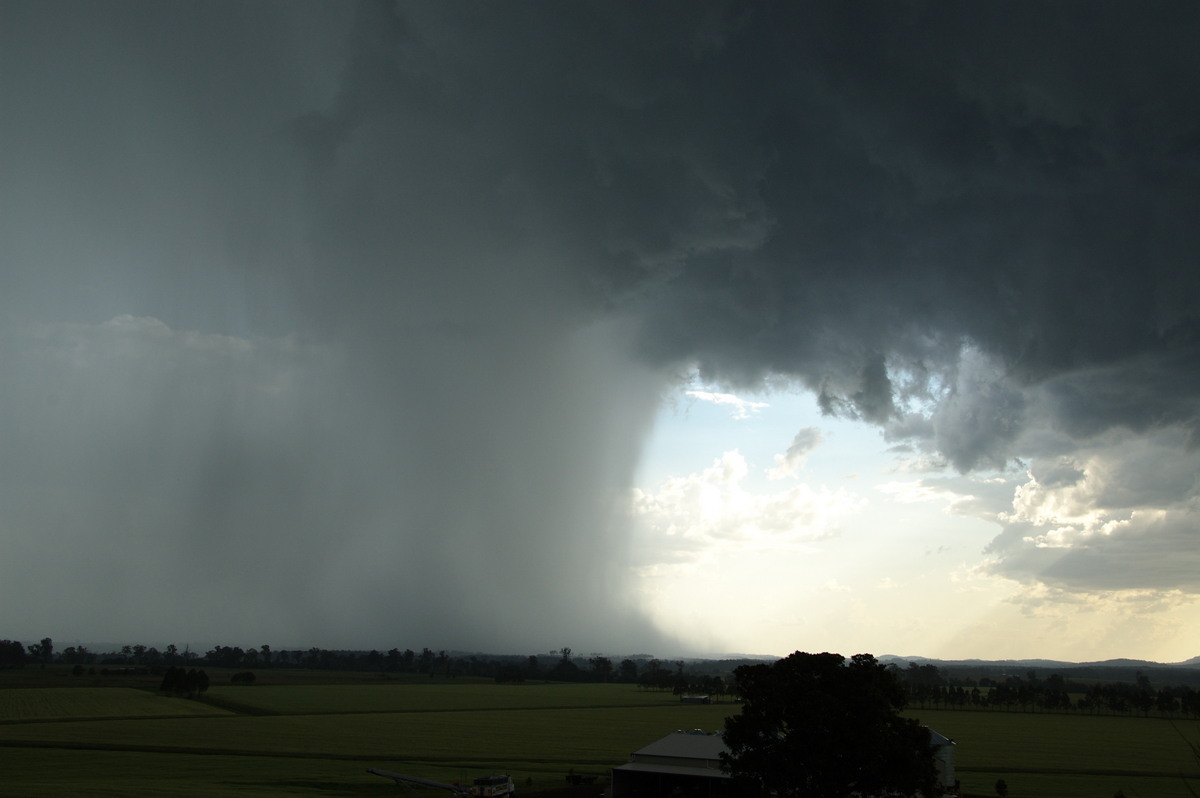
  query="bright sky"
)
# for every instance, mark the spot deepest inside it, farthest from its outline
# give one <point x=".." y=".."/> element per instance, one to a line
<point x="853" y="548"/>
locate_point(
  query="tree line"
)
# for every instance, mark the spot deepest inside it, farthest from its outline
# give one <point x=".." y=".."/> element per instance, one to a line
<point x="925" y="686"/>
<point x="562" y="665"/>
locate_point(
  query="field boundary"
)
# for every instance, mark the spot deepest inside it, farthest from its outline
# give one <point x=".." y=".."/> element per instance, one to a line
<point x="173" y="749"/>
<point x="238" y="708"/>
<point x="102" y="718"/>
<point x="246" y="709"/>
<point x="1074" y="771"/>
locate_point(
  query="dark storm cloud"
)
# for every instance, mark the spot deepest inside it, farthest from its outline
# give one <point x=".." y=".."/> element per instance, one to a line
<point x="1020" y="180"/>
<point x="382" y="296"/>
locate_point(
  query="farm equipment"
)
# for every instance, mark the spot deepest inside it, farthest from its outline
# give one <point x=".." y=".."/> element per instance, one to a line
<point x="482" y="787"/>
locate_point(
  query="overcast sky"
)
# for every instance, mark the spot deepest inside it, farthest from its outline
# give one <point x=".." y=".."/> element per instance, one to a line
<point x="680" y="327"/>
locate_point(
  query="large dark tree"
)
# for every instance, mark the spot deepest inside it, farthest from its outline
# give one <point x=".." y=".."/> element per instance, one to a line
<point x="821" y="726"/>
<point x="12" y="654"/>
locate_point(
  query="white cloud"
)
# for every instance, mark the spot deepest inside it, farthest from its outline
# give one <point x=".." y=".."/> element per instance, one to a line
<point x="918" y="491"/>
<point x="742" y="408"/>
<point x="1118" y="515"/>
<point x="920" y="464"/>
<point x="715" y="509"/>
<point x="790" y="462"/>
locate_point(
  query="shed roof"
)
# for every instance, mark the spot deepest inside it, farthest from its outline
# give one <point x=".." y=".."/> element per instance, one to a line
<point x="938" y="740"/>
<point x="685" y="745"/>
<point x="678" y="770"/>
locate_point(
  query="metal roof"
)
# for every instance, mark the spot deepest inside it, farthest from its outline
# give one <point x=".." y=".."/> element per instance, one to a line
<point x="703" y="747"/>
<point x="678" y="770"/>
<point x="938" y="739"/>
<point x="685" y="745"/>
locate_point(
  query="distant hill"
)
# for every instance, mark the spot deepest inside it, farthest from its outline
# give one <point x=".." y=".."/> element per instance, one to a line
<point x="1194" y="662"/>
<point x="1113" y="670"/>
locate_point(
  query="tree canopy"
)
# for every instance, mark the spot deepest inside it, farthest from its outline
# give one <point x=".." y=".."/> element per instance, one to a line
<point x="822" y="726"/>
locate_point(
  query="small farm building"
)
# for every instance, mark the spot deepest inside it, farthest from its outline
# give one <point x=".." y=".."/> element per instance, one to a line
<point x="683" y="763"/>
<point x="944" y="760"/>
<point x="689" y="763"/>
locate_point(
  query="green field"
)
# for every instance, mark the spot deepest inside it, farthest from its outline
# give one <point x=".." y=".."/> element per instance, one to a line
<point x="63" y="703"/>
<point x="433" y="696"/>
<point x="290" y="738"/>
<point x="1070" y="756"/>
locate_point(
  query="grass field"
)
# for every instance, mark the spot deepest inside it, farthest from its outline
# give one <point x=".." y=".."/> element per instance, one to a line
<point x="1069" y="756"/>
<point x="62" y="703"/>
<point x="431" y="696"/>
<point x="318" y="738"/>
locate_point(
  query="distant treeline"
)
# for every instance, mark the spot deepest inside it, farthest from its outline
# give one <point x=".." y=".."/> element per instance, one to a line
<point x="926" y="686"/>
<point x="708" y="677"/>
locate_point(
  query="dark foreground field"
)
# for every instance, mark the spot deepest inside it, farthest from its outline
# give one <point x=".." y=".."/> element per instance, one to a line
<point x="307" y="734"/>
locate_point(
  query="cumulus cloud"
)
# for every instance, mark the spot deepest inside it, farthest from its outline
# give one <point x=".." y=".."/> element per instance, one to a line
<point x="686" y="517"/>
<point x="1121" y="517"/>
<point x="742" y="408"/>
<point x="790" y="462"/>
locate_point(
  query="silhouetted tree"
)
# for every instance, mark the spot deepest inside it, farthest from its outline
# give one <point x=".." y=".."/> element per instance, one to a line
<point x="602" y="668"/>
<point x="76" y="655"/>
<point x="42" y="652"/>
<point x="12" y="654"/>
<point x="565" y="670"/>
<point x="177" y="681"/>
<point x="174" y="681"/>
<point x="226" y="657"/>
<point x="819" y="726"/>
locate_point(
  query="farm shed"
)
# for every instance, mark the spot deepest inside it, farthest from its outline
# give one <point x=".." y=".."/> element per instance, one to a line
<point x="943" y="758"/>
<point x="689" y="764"/>
<point x="683" y="763"/>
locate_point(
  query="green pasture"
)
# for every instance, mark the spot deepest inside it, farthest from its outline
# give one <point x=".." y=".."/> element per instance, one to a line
<point x="38" y="773"/>
<point x="318" y="739"/>
<point x="438" y="696"/>
<point x="58" y="703"/>
<point x="296" y="741"/>
<point x="567" y="736"/>
<point x="1069" y="756"/>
